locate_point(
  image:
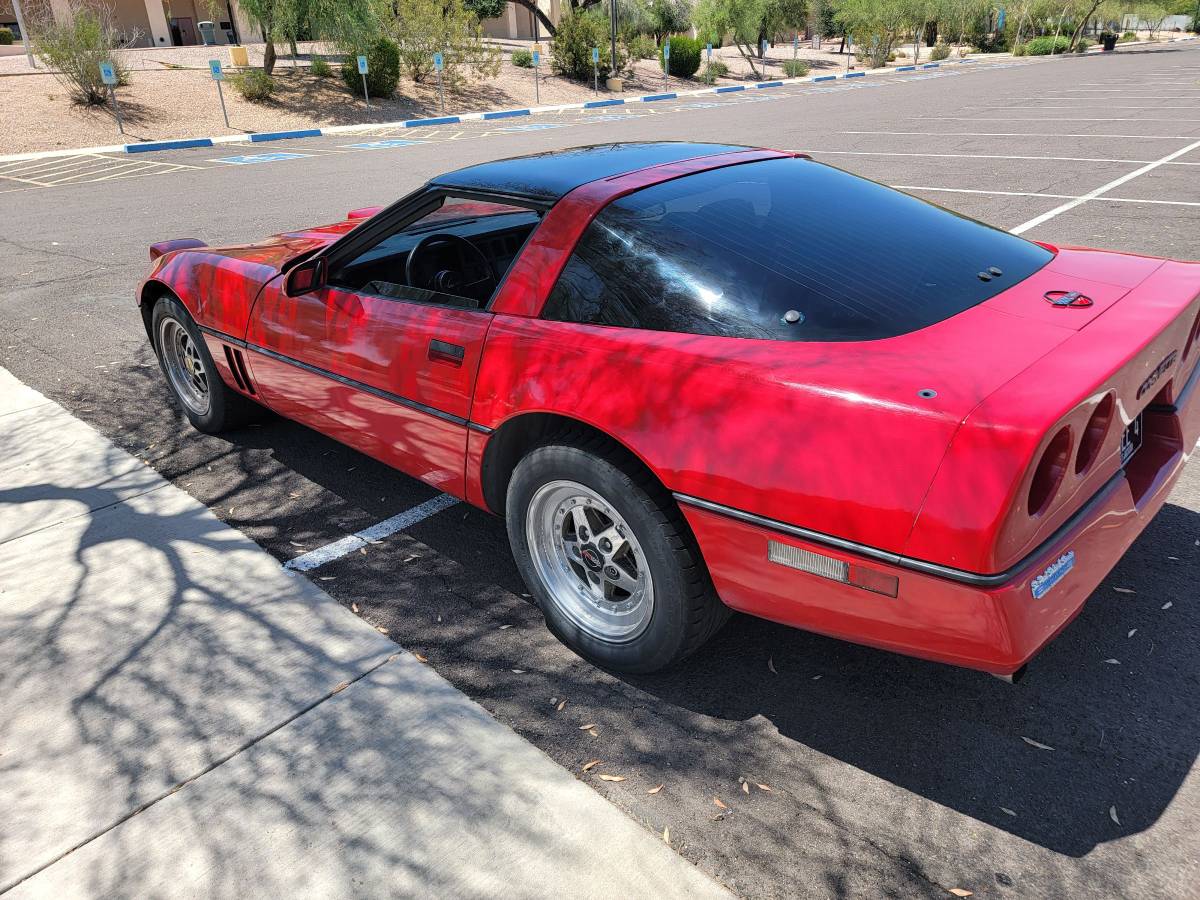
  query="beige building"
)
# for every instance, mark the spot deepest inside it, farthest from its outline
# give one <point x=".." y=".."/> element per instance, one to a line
<point x="518" y="23"/>
<point x="176" y="23"/>
<point x="152" y="23"/>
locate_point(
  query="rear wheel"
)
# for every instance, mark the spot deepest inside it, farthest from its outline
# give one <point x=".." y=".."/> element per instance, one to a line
<point x="608" y="558"/>
<point x="210" y="405"/>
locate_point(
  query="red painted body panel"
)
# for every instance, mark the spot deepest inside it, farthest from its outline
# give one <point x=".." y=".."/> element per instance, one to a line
<point x="383" y="344"/>
<point x="996" y="629"/>
<point x="834" y="438"/>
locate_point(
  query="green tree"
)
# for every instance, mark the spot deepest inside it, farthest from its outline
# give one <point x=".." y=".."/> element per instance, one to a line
<point x="346" y="22"/>
<point x="422" y="28"/>
<point x="668" y="17"/>
<point x="748" y="22"/>
<point x="875" y="24"/>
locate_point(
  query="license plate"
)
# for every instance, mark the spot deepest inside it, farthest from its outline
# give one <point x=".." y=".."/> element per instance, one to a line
<point x="1131" y="440"/>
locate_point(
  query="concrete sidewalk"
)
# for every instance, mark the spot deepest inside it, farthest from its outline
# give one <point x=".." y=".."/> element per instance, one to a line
<point x="180" y="717"/>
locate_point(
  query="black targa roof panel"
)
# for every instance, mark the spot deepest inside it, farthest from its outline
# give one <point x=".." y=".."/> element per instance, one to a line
<point x="548" y="176"/>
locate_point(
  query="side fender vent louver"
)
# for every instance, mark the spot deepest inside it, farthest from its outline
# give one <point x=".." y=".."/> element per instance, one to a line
<point x="237" y="365"/>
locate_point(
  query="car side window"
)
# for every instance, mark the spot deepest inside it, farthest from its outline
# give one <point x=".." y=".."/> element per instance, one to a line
<point x="454" y="252"/>
<point x="785" y="249"/>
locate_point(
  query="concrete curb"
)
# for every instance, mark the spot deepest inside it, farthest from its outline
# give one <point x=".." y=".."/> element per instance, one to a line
<point x="254" y="138"/>
<point x="188" y="143"/>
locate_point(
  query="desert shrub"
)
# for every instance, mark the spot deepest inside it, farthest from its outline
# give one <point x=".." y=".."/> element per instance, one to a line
<point x="939" y="52"/>
<point x="6" y="36"/>
<point x="254" y="84"/>
<point x="383" y="68"/>
<point x="642" y="46"/>
<point x="320" y="67"/>
<point x="1082" y="46"/>
<point x="900" y="54"/>
<point x="714" y="70"/>
<point x="1020" y="50"/>
<point x="1127" y="36"/>
<point x="74" y="50"/>
<point x="422" y="28"/>
<point x="522" y="58"/>
<point x="578" y="32"/>
<point x="685" y="56"/>
<point x="795" y="68"/>
<point x="1047" y="45"/>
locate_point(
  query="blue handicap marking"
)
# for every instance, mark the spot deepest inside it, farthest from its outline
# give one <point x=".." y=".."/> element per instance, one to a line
<point x="362" y="65"/>
<point x="437" y="61"/>
<point x="379" y="145"/>
<point x="612" y="117"/>
<point x="595" y="54"/>
<point x="538" y="127"/>
<point x="260" y="158"/>
<point x="215" y="70"/>
<point x="108" y="73"/>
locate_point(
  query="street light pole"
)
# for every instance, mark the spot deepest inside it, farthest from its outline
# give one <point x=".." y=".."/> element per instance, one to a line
<point x="613" y="21"/>
<point x="24" y="32"/>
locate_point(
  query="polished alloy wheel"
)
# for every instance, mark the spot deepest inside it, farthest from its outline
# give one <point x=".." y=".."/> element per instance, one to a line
<point x="589" y="561"/>
<point x="184" y="364"/>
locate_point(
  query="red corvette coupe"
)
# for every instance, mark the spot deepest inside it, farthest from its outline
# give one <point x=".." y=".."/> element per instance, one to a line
<point x="696" y="378"/>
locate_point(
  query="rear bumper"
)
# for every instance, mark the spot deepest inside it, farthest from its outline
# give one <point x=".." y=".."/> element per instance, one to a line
<point x="994" y="627"/>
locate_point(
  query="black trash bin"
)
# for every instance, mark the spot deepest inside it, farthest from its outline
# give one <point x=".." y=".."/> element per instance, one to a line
<point x="1109" y="41"/>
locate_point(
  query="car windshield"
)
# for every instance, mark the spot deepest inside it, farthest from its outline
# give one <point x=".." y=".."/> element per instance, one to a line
<point x="785" y="249"/>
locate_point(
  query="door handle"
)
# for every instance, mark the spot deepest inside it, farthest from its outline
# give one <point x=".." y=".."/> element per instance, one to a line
<point x="443" y="351"/>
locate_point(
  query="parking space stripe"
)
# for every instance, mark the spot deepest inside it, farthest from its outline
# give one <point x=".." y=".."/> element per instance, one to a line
<point x="1026" y="134"/>
<point x="1103" y="189"/>
<point x="322" y="555"/>
<point x="989" y="156"/>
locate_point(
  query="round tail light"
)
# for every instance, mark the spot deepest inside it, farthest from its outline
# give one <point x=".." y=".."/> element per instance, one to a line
<point x="1050" y="470"/>
<point x="1094" y="435"/>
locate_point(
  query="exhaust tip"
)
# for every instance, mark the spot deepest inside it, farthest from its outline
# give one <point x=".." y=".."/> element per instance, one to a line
<point x="1014" y="677"/>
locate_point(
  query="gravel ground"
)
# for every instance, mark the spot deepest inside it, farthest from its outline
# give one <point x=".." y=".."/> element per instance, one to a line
<point x="172" y="96"/>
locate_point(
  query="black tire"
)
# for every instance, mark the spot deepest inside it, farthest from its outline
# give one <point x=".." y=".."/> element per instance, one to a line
<point x="227" y="409"/>
<point x="686" y="611"/>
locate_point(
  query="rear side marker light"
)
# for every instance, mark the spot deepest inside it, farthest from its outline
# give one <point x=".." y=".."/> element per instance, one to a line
<point x="834" y="569"/>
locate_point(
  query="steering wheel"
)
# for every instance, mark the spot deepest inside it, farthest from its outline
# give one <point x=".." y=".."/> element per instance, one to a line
<point x="431" y="266"/>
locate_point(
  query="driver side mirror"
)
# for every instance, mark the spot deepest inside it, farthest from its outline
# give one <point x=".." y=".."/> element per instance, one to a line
<point x="306" y="277"/>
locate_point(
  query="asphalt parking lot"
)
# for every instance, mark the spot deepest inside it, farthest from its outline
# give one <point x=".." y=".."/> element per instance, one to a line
<point x="887" y="776"/>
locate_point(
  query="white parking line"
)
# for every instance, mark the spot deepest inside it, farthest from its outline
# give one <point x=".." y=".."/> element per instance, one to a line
<point x="314" y="558"/>
<point x="1026" y="134"/>
<point x="1091" y="195"/>
<point x="990" y="156"/>
<point x="913" y="187"/>
<point x="1059" y="119"/>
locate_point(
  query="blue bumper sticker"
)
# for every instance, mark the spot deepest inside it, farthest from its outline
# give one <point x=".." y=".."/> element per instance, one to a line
<point x="1055" y="572"/>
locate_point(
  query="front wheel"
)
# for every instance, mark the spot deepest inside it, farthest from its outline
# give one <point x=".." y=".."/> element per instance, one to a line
<point x="609" y="559"/>
<point x="210" y="405"/>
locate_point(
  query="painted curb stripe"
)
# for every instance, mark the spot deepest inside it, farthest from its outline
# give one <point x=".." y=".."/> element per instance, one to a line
<point x="506" y="114"/>
<point x="282" y="135"/>
<point x="168" y="145"/>
<point x="766" y="84"/>
<point x="444" y="120"/>
<point x="186" y="143"/>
